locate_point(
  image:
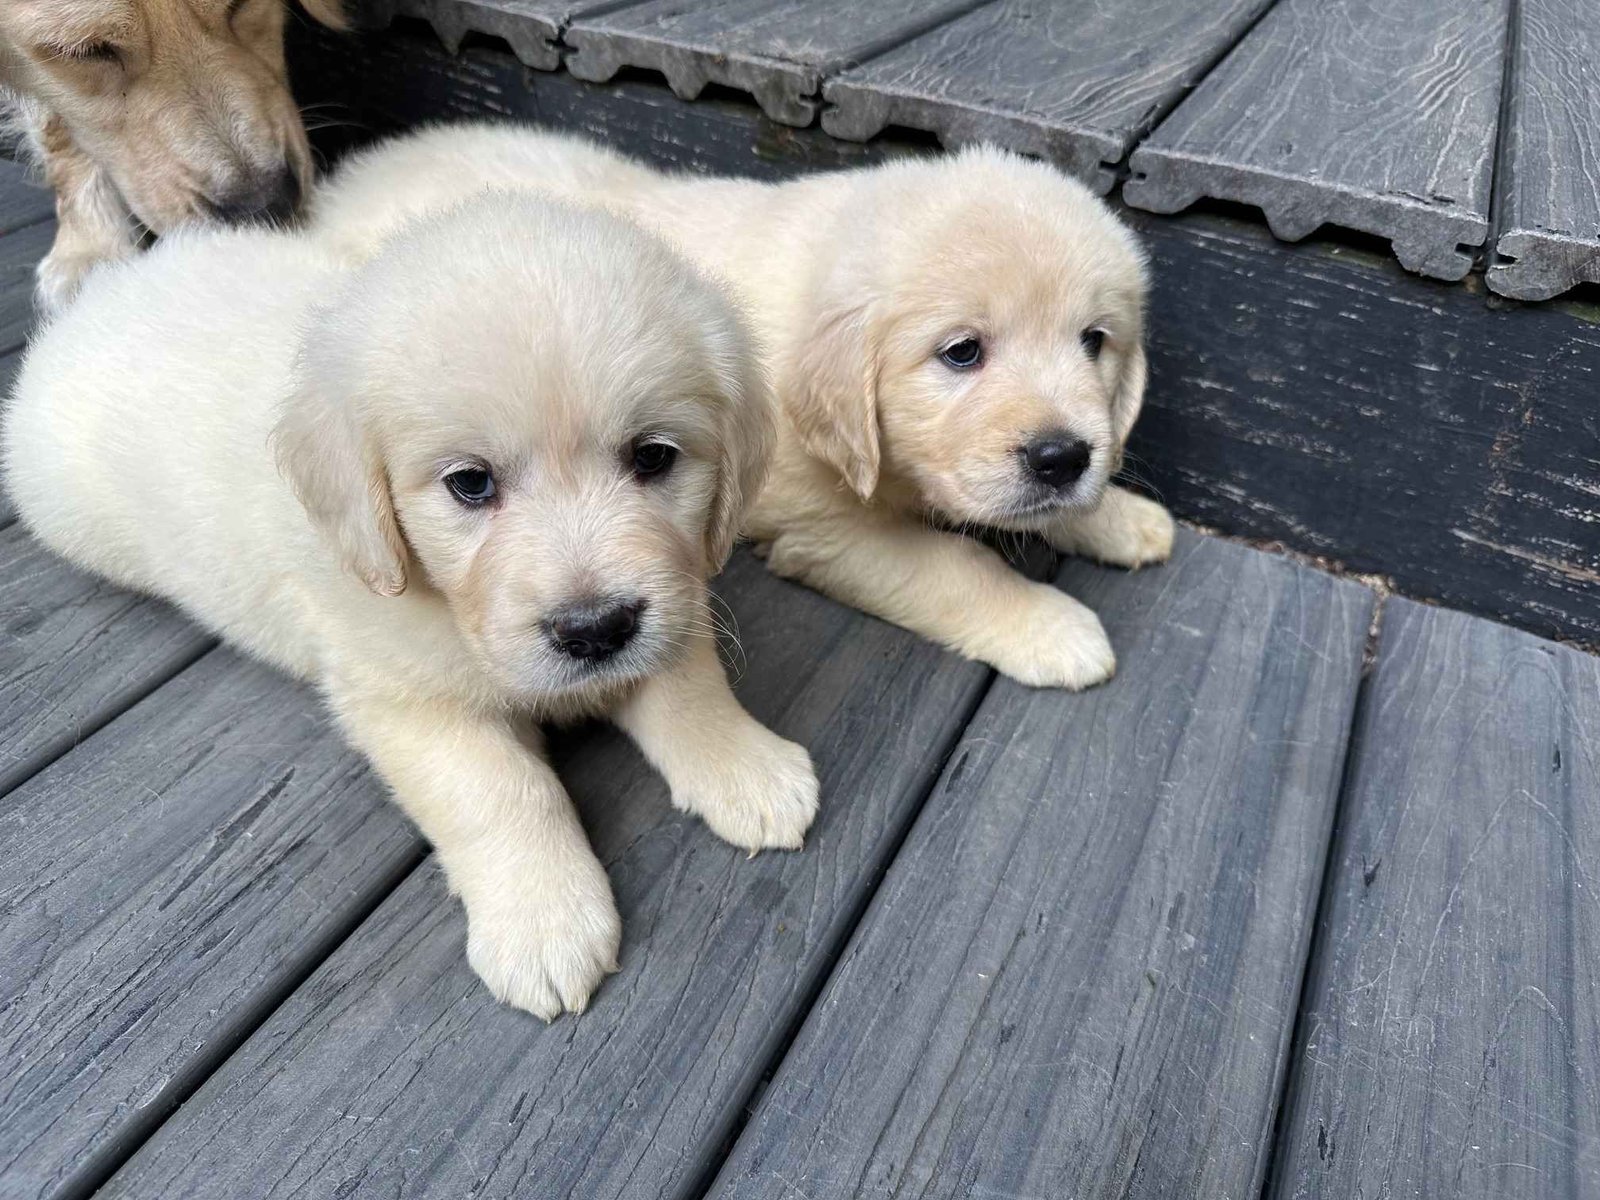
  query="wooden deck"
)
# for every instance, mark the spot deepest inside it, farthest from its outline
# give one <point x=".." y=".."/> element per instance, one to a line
<point x="1290" y="908"/>
<point x="1465" y="132"/>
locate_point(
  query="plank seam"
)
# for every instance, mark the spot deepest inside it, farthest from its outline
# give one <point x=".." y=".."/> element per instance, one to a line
<point x="700" y="1185"/>
<point x="1292" y="1071"/>
<point x="92" y="1174"/>
<point x="1503" y="137"/>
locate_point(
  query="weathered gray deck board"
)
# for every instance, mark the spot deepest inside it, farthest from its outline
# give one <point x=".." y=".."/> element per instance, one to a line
<point x="1080" y="975"/>
<point x="777" y="50"/>
<point x="1451" y="1044"/>
<point x="392" y="1072"/>
<point x="1548" y="225"/>
<point x="532" y="28"/>
<point x="9" y="364"/>
<point x="74" y="652"/>
<point x="1075" y="81"/>
<point x="164" y="885"/>
<point x="20" y="252"/>
<point x="1373" y="116"/>
<point x="22" y="201"/>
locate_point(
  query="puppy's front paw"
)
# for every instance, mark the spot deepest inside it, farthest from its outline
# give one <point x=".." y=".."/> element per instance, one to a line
<point x="543" y="939"/>
<point x="760" y="794"/>
<point x="1127" y="530"/>
<point x="1058" y="642"/>
<point x="61" y="273"/>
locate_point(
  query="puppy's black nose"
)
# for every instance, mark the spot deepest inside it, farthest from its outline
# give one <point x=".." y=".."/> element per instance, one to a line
<point x="1057" y="459"/>
<point x="594" y="632"/>
<point x="270" y="199"/>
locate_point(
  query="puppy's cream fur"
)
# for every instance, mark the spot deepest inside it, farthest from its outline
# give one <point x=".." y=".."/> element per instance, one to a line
<point x="534" y="339"/>
<point x="152" y="112"/>
<point x="856" y="281"/>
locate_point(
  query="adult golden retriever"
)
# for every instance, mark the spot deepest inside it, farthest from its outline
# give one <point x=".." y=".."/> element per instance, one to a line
<point x="955" y="341"/>
<point x="476" y="484"/>
<point x="155" y="113"/>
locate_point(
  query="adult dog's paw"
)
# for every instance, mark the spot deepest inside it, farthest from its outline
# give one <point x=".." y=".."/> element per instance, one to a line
<point x="1127" y="530"/>
<point x="61" y="273"/>
<point x="1057" y="642"/>
<point x="759" y="793"/>
<point x="542" y="940"/>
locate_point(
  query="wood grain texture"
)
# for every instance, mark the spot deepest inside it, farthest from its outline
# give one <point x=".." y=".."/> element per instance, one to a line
<point x="1076" y="82"/>
<point x="1451" y="1046"/>
<point x="22" y="201"/>
<point x="1305" y="394"/>
<point x="9" y="365"/>
<point x="1372" y="116"/>
<point x="532" y="28"/>
<point x="74" y="652"/>
<point x="1079" y="977"/>
<point x="776" y="50"/>
<point x="392" y="1072"/>
<point x="1549" y="219"/>
<point x="164" y="885"/>
<point x="20" y="252"/>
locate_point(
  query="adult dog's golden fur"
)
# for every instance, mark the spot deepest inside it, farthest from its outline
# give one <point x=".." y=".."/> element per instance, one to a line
<point x="155" y="113"/>
<point x="869" y="290"/>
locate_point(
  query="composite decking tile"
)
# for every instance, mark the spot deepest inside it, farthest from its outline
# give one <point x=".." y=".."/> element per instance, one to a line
<point x="1372" y="116"/>
<point x="393" y="1072"/>
<point x="1549" y="219"/>
<point x="1080" y="975"/>
<point x="74" y="652"/>
<point x="777" y="50"/>
<point x="163" y="885"/>
<point x="1075" y="81"/>
<point x="1450" y="1045"/>
<point x="532" y="28"/>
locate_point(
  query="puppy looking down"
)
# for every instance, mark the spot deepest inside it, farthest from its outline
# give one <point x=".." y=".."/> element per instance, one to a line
<point x="510" y="450"/>
<point x="955" y="341"/>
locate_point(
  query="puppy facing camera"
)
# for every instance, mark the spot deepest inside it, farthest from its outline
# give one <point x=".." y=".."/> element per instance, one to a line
<point x="956" y="342"/>
<point x="479" y="481"/>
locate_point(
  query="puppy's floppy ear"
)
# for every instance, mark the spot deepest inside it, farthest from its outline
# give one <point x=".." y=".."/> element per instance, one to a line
<point x="748" y="431"/>
<point x="331" y="13"/>
<point x="830" y="392"/>
<point x="1129" y="396"/>
<point x="339" y="477"/>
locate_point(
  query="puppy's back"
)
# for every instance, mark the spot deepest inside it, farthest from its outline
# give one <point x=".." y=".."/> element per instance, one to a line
<point x="135" y="443"/>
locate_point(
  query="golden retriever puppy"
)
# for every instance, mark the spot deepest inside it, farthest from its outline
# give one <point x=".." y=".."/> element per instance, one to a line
<point x="154" y="113"/>
<point x="956" y="342"/>
<point x="478" y="483"/>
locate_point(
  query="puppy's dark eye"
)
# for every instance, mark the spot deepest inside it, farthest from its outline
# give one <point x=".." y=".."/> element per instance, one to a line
<point x="651" y="459"/>
<point x="471" y="485"/>
<point x="962" y="355"/>
<point x="1093" y="340"/>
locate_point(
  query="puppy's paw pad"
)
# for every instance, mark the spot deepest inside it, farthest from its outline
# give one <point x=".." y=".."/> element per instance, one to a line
<point x="761" y="796"/>
<point x="541" y="956"/>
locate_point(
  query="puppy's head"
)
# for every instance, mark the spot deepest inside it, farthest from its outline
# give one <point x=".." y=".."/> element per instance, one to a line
<point x="185" y="103"/>
<point x="543" y="416"/>
<point x="976" y="338"/>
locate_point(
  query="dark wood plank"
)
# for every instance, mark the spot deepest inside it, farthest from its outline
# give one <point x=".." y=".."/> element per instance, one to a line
<point x="392" y="1072"/>
<point x="20" y="252"/>
<point x="777" y="50"/>
<point x="1373" y="116"/>
<point x="1451" y="1044"/>
<point x="74" y="652"/>
<point x="9" y="365"/>
<point x="1080" y="976"/>
<point x="164" y="885"/>
<point x="1076" y="81"/>
<point x="532" y="28"/>
<point x="1304" y="394"/>
<point x="23" y="201"/>
<point x="1549" y="217"/>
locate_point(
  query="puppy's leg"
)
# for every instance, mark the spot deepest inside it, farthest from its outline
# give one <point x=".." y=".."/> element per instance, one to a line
<point x="1125" y="530"/>
<point x="953" y="590"/>
<point x="542" y="927"/>
<point x="93" y="224"/>
<point x="751" y="786"/>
